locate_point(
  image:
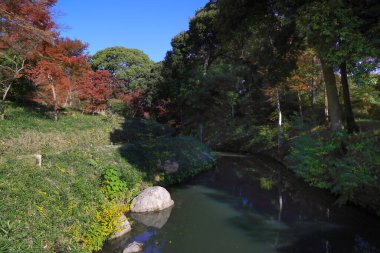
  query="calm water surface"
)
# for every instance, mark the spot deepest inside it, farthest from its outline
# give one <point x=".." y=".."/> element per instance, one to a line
<point x="248" y="205"/>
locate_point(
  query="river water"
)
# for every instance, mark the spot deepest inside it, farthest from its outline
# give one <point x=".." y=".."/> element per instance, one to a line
<point x="252" y="204"/>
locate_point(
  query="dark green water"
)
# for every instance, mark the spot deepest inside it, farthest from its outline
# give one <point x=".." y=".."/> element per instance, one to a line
<point x="252" y="204"/>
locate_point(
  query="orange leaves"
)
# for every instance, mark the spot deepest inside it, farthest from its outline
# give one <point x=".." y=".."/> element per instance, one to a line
<point x="94" y="89"/>
<point x="25" y="25"/>
<point x="299" y="83"/>
<point x="52" y="83"/>
<point x="307" y="76"/>
<point x="57" y="70"/>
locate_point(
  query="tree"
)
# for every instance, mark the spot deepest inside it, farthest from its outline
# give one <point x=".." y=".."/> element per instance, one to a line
<point x="52" y="83"/>
<point x="333" y="29"/>
<point x="129" y="66"/>
<point x="306" y="80"/>
<point x="24" y="27"/>
<point x="94" y="89"/>
<point x="203" y="36"/>
<point x="74" y="61"/>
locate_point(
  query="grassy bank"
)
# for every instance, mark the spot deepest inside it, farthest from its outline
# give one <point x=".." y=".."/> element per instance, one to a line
<point x="72" y="202"/>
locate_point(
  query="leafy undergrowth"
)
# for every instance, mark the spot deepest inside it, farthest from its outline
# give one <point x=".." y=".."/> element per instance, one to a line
<point x="349" y="166"/>
<point x="60" y="206"/>
<point x="149" y="144"/>
<point x="242" y="136"/>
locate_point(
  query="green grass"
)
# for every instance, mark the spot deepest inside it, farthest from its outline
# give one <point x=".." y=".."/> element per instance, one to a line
<point x="66" y="205"/>
<point x="55" y="207"/>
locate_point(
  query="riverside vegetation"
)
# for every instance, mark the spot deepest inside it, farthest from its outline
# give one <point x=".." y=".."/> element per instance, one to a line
<point x="74" y="200"/>
<point x="297" y="80"/>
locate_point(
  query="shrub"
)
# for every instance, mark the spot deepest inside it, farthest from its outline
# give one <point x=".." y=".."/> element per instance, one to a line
<point x="335" y="162"/>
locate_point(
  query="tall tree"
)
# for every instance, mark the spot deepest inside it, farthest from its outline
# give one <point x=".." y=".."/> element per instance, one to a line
<point x="52" y="83"/>
<point x="337" y="33"/>
<point x="55" y="74"/>
<point x="129" y="66"/>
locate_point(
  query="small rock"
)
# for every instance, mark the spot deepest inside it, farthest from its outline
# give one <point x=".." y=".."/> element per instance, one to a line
<point x="152" y="199"/>
<point x="133" y="247"/>
<point x="170" y="167"/>
<point x="123" y="228"/>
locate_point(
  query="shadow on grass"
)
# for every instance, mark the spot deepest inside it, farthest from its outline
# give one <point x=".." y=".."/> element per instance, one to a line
<point x="34" y="109"/>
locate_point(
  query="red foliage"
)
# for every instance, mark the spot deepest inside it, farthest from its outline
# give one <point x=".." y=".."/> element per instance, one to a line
<point x="161" y="109"/>
<point x="134" y="100"/>
<point x="56" y="74"/>
<point x="53" y="85"/>
<point x="25" y="25"/>
<point x="94" y="89"/>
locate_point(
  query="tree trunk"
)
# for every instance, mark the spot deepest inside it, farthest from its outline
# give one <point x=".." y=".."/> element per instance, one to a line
<point x="349" y="115"/>
<point x="206" y="64"/>
<point x="279" y="134"/>
<point x="326" y="104"/>
<point x="2" y="110"/>
<point x="55" y="102"/>
<point x="201" y="130"/>
<point x="300" y="104"/>
<point x="334" y="109"/>
<point x="313" y="86"/>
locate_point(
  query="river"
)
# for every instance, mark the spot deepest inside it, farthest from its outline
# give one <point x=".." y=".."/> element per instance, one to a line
<point x="252" y="204"/>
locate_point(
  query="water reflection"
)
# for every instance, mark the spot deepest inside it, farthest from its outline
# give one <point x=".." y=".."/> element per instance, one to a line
<point x="153" y="219"/>
<point x="229" y="210"/>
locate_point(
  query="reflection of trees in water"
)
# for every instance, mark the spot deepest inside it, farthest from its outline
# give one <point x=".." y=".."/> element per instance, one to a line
<point x="289" y="217"/>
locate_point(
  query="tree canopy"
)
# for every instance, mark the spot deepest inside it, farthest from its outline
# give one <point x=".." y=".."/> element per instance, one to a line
<point x="130" y="66"/>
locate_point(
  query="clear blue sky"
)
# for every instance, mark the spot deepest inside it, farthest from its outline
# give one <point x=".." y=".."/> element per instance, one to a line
<point x="148" y="25"/>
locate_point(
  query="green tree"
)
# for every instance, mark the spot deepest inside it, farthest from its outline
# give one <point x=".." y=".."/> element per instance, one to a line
<point x="130" y="66"/>
<point x="337" y="34"/>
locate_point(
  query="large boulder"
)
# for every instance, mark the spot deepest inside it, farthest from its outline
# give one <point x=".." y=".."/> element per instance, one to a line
<point x="152" y="199"/>
<point x="123" y="228"/>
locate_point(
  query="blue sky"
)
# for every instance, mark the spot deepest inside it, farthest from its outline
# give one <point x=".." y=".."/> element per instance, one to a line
<point x="148" y="25"/>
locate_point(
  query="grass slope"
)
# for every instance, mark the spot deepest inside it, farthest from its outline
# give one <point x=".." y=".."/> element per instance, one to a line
<point x="73" y="201"/>
<point x="55" y="207"/>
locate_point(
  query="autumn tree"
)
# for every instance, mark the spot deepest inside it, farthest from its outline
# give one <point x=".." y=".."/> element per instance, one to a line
<point x="306" y="81"/>
<point x="52" y="84"/>
<point x="94" y="90"/>
<point x="74" y="60"/>
<point x="24" y="26"/>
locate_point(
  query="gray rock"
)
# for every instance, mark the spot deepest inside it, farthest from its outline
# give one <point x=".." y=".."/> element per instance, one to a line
<point x="152" y="199"/>
<point x="123" y="228"/>
<point x="133" y="247"/>
<point x="170" y="167"/>
<point x="153" y="219"/>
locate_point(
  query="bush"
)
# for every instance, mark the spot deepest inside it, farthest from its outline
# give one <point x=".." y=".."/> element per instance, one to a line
<point x="191" y="155"/>
<point x="150" y="143"/>
<point x="336" y="162"/>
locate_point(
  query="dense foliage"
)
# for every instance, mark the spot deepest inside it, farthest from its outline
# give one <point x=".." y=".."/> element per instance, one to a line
<point x="247" y="74"/>
<point x="296" y="79"/>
